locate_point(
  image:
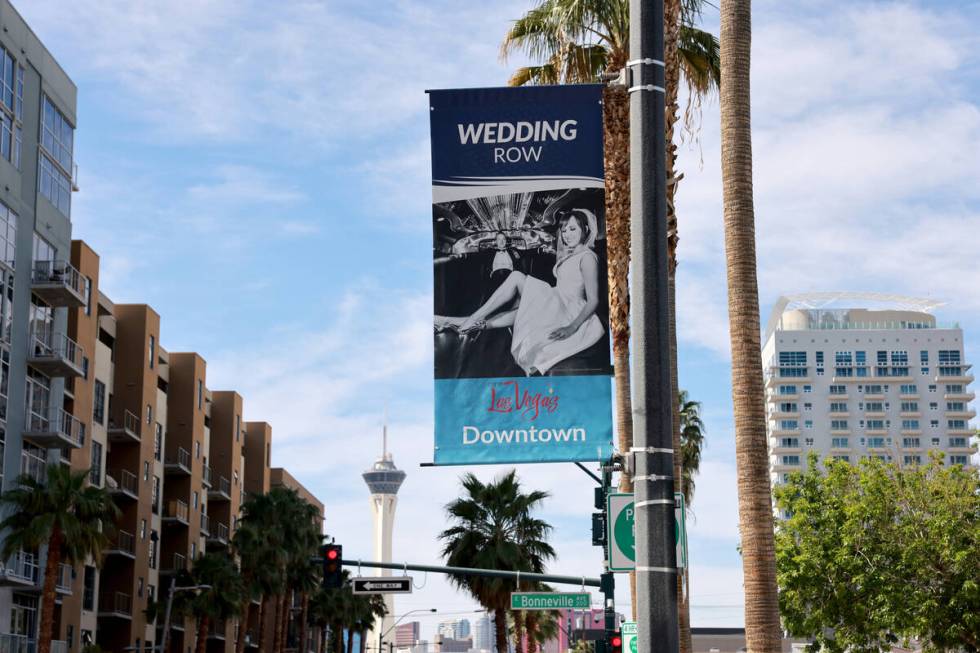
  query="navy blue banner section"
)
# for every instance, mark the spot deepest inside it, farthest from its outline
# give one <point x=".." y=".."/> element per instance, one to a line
<point x="521" y="310"/>
<point x="537" y="131"/>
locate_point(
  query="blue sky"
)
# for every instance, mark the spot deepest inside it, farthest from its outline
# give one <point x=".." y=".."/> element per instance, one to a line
<point x="262" y="180"/>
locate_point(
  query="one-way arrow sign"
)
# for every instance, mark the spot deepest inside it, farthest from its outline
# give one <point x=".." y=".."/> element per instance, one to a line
<point x="382" y="585"/>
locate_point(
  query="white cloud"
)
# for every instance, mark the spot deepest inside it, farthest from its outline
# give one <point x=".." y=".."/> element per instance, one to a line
<point x="244" y="185"/>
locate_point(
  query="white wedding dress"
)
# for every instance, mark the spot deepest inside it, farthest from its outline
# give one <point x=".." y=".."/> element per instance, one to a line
<point x="544" y="308"/>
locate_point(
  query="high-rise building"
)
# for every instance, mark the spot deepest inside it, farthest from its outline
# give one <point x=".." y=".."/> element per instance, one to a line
<point x="383" y="481"/>
<point x="853" y="375"/>
<point x="407" y="635"/>
<point x="463" y="629"/>
<point x="483" y="634"/>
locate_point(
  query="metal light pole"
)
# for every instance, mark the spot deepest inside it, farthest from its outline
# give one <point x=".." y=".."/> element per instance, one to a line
<point x="656" y="564"/>
<point x="170" y="602"/>
<point x="381" y="636"/>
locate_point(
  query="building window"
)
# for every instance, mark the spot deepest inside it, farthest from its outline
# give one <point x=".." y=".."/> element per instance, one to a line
<point x="787" y="389"/>
<point x="838" y="443"/>
<point x="838" y="389"/>
<point x="200" y="394"/>
<point x="139" y="593"/>
<point x="158" y="442"/>
<point x="8" y="234"/>
<point x="95" y="471"/>
<point x="153" y="349"/>
<point x="98" y="411"/>
<point x="88" y="295"/>
<point x="194" y="499"/>
<point x="807" y="389"/>
<point x="55" y="185"/>
<point x="197" y="449"/>
<point x="12" y="113"/>
<point x="149" y="414"/>
<point x="910" y="424"/>
<point x="808" y="424"/>
<point x="238" y="427"/>
<point x="958" y="460"/>
<point x="838" y="424"/>
<point x="142" y="529"/>
<point x="155" y="496"/>
<point x="146" y="470"/>
<point x="88" y="591"/>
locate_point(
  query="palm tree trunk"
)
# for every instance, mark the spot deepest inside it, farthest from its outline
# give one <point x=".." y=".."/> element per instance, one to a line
<point x="531" y="630"/>
<point x="243" y="627"/>
<point x="48" y="591"/>
<point x="202" y="634"/>
<point x="305" y="602"/>
<point x="362" y="638"/>
<point x="617" y="164"/>
<point x="518" y="617"/>
<point x="350" y="640"/>
<point x="500" y="629"/>
<point x="277" y="625"/>
<point x="283" y="626"/>
<point x="762" y="632"/>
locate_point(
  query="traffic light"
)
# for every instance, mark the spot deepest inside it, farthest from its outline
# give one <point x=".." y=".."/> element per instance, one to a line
<point x="332" y="555"/>
<point x="615" y="642"/>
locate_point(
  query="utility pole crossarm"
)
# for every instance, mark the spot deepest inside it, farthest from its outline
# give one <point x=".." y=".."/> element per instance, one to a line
<point x="472" y="571"/>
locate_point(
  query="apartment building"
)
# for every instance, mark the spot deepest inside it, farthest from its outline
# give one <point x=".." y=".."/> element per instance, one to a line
<point x="852" y="375"/>
<point x="37" y="356"/>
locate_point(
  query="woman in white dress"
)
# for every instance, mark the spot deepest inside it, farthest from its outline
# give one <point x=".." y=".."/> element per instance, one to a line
<point x="550" y="323"/>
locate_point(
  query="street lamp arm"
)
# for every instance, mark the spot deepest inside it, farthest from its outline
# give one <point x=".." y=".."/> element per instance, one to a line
<point x="403" y="616"/>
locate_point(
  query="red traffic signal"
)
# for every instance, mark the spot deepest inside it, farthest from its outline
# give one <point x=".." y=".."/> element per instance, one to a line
<point x="615" y="642"/>
<point x="333" y="555"/>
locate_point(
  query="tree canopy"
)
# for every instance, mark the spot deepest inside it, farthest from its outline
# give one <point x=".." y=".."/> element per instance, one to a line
<point x="875" y="555"/>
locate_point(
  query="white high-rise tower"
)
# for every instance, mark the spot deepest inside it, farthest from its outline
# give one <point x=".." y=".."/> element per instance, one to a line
<point x="383" y="479"/>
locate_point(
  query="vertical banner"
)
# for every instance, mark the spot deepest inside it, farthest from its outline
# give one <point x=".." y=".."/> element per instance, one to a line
<point x="522" y="354"/>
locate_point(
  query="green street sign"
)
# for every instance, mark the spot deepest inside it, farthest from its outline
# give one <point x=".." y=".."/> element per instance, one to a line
<point x="629" y="632"/>
<point x="550" y="600"/>
<point x="621" y="534"/>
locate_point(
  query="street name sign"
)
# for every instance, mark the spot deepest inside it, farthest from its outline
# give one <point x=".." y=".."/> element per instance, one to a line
<point x="629" y="632"/>
<point x="621" y="532"/>
<point x="550" y="600"/>
<point x="382" y="585"/>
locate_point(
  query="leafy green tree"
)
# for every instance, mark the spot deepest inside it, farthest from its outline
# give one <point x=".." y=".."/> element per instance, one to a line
<point x="222" y="599"/>
<point x="493" y="528"/>
<point x="65" y="514"/>
<point x="870" y="556"/>
<point x="692" y="442"/>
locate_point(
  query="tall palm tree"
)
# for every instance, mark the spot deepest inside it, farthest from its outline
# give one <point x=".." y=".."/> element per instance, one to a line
<point x="222" y="599"/>
<point x="692" y="442"/>
<point x="578" y="40"/>
<point x="66" y="514"/>
<point x="762" y="632"/>
<point x="258" y="548"/>
<point x="493" y="528"/>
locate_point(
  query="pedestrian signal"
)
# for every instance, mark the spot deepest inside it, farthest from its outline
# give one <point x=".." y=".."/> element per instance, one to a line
<point x="333" y="554"/>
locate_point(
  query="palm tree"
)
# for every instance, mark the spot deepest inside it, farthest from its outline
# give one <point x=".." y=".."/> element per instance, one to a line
<point x="70" y="517"/>
<point x="692" y="442"/>
<point x="762" y="632"/>
<point x="257" y="547"/>
<point x="222" y="599"/>
<point x="367" y="609"/>
<point x="492" y="528"/>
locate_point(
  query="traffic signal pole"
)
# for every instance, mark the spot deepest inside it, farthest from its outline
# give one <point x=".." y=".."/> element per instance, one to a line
<point x="656" y="564"/>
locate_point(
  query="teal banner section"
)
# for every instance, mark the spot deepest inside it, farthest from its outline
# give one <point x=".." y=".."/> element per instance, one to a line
<point x="523" y="420"/>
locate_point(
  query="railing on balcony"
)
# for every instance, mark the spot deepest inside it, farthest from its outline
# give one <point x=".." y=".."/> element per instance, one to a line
<point x="21" y="569"/>
<point x="222" y="490"/>
<point x="125" y="544"/>
<point x="116" y="604"/>
<point x="55" y="428"/>
<point x="55" y="354"/>
<point x="175" y="563"/>
<point x="59" y="646"/>
<point x="179" y="462"/>
<point x="126" y="430"/>
<point x="219" y="533"/>
<point x="63" y="581"/>
<point x="33" y="465"/>
<point x="58" y="283"/>
<point x="205" y="524"/>
<point x="206" y="477"/>
<point x="127" y="483"/>
<point x="217" y="630"/>
<point x="177" y="510"/>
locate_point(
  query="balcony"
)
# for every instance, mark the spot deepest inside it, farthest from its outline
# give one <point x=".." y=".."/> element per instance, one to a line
<point x="55" y="430"/>
<point x="206" y="477"/>
<point x="875" y="414"/>
<point x="33" y="466"/>
<point x="910" y="413"/>
<point x="125" y="545"/>
<point x="221" y="491"/>
<point x="178" y="464"/>
<point x="776" y="398"/>
<point x="58" y="283"/>
<point x="961" y="414"/>
<point x="55" y="354"/>
<point x="960" y="396"/>
<point x="175" y="564"/>
<point x="128" y="430"/>
<point x="874" y="396"/>
<point x="205" y="524"/>
<point x="963" y="377"/>
<point x="62" y="584"/>
<point x="219" y="534"/>
<point x="217" y="631"/>
<point x="123" y="484"/>
<point x="116" y="604"/>
<point x="22" y="644"/>
<point x="177" y="512"/>
<point x="21" y="571"/>
<point x="779" y="414"/>
<point x="967" y="448"/>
